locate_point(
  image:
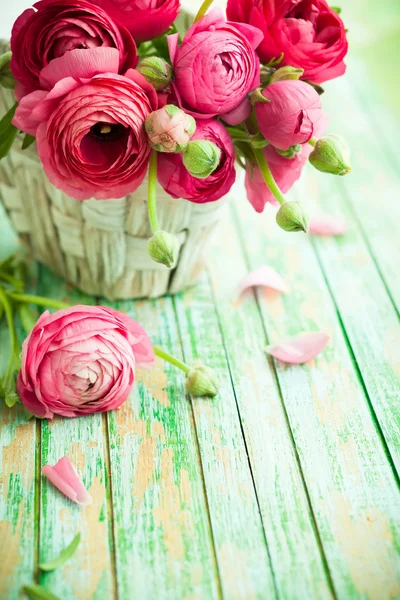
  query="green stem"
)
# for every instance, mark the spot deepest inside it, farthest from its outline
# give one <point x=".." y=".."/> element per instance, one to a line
<point x="39" y="301"/>
<point x="14" y="363"/>
<point x="268" y="177"/>
<point x="312" y="142"/>
<point x="171" y="359"/>
<point x="203" y="9"/>
<point x="10" y="279"/>
<point x="10" y="321"/>
<point x="152" y="200"/>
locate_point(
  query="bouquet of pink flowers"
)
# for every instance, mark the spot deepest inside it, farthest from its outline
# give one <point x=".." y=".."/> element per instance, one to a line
<point x="114" y="89"/>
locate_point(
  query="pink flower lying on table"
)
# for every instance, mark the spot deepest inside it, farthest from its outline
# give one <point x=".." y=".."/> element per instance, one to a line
<point x="216" y="67"/>
<point x="309" y="33"/>
<point x="90" y="133"/>
<point x="53" y="30"/>
<point x="81" y="360"/>
<point x="145" y="19"/>
<point x="176" y="180"/>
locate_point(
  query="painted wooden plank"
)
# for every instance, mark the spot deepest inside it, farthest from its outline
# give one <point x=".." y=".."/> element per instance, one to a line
<point x="89" y="573"/>
<point x="164" y="546"/>
<point x="351" y="485"/>
<point x="373" y="185"/>
<point x="242" y="553"/>
<point x="288" y="520"/>
<point x="367" y="313"/>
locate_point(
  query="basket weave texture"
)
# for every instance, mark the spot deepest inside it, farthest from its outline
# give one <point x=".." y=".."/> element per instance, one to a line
<point x="100" y="246"/>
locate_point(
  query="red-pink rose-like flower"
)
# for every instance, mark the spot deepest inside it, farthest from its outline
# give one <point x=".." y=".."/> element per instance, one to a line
<point x="90" y="133"/>
<point x="309" y="33"/>
<point x="286" y="171"/>
<point x="57" y="28"/>
<point x="176" y="180"/>
<point x="81" y="360"/>
<point x="145" y="19"/>
<point x="292" y="115"/>
<point x="216" y="67"/>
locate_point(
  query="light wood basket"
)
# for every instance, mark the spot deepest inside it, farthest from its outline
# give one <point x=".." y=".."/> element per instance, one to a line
<point x="100" y="246"/>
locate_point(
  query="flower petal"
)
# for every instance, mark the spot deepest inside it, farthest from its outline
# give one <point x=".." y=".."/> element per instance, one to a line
<point x="327" y="225"/>
<point x="66" y="479"/>
<point x="263" y="276"/>
<point x="299" y="349"/>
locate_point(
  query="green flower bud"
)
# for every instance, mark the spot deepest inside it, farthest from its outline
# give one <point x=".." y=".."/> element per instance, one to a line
<point x="292" y="217"/>
<point x="331" y="155"/>
<point x="163" y="248"/>
<point x="6" y="77"/>
<point x="156" y="71"/>
<point x="201" y="158"/>
<point x="285" y="73"/>
<point x="202" y="381"/>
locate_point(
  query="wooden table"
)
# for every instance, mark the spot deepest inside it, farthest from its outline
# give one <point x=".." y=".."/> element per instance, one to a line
<point x="287" y="484"/>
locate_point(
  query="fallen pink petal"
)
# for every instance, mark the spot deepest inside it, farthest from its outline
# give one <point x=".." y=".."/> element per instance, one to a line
<point x="327" y="225"/>
<point x="299" y="349"/>
<point x="65" y="478"/>
<point x="264" y="276"/>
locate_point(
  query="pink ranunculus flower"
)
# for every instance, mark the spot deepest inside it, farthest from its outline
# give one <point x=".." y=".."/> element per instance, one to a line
<point x="145" y="19"/>
<point x="169" y="129"/>
<point x="60" y="27"/>
<point x="286" y="171"/>
<point x="292" y="115"/>
<point x="215" y="68"/>
<point x="309" y="33"/>
<point x="176" y="180"/>
<point x="81" y="360"/>
<point x="90" y="133"/>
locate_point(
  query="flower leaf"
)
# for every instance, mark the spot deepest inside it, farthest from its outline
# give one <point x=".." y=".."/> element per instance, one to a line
<point x="28" y="141"/>
<point x="64" y="555"/>
<point x="37" y="592"/>
<point x="7" y="132"/>
<point x="337" y="9"/>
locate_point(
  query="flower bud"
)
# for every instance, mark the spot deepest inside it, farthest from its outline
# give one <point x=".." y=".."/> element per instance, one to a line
<point x="156" y="71"/>
<point x="285" y="73"/>
<point x="163" y="248"/>
<point x="292" y="217"/>
<point x="331" y="155"/>
<point x="6" y="77"/>
<point x="201" y="158"/>
<point x="202" y="381"/>
<point x="169" y="129"/>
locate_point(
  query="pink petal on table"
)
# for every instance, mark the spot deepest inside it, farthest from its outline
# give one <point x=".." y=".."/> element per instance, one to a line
<point x="263" y="276"/>
<point x="65" y="478"/>
<point x="299" y="349"/>
<point x="327" y="225"/>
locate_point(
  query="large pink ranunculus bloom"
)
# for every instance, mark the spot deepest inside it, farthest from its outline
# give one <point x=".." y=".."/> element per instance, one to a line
<point x="90" y="133"/>
<point x="145" y="19"/>
<point x="57" y="28"/>
<point x="176" y="180"/>
<point x="292" y="116"/>
<point x="81" y="360"/>
<point x="286" y="171"/>
<point x="216" y="67"/>
<point x="308" y="33"/>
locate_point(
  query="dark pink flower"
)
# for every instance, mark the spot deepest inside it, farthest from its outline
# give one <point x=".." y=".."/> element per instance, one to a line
<point x="309" y="33"/>
<point x="177" y="182"/>
<point x="292" y="116"/>
<point x="81" y="360"/>
<point x="90" y="133"/>
<point x="286" y="171"/>
<point x="60" y="27"/>
<point x="145" y="19"/>
<point x="216" y="67"/>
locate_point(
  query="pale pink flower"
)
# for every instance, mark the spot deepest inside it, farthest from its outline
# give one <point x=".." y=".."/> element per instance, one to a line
<point x="169" y="129"/>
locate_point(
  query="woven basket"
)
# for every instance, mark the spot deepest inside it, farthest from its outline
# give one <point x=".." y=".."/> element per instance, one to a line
<point x="100" y="246"/>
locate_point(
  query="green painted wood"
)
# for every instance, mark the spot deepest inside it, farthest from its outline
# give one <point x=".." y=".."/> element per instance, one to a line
<point x="366" y="311"/>
<point x="288" y="520"/>
<point x="89" y="573"/>
<point x="164" y="546"/>
<point x="352" y="488"/>
<point x="242" y="553"/>
<point x="18" y="467"/>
